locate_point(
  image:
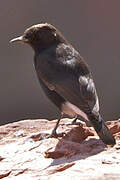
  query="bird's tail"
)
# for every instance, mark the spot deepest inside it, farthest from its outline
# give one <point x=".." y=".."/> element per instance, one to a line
<point x="102" y="130"/>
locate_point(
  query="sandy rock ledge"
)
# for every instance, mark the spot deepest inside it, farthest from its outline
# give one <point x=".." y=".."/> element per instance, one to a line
<point x="26" y="153"/>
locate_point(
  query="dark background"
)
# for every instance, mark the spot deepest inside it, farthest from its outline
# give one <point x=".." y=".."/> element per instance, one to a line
<point x="93" y="28"/>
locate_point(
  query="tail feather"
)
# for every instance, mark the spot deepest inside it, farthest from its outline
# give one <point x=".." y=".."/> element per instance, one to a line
<point x="102" y="130"/>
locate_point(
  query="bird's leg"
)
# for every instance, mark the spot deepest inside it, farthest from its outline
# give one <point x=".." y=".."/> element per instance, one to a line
<point x="54" y="133"/>
<point x="74" y="120"/>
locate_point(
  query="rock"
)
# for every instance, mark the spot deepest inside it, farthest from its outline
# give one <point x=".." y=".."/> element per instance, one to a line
<point x="114" y="127"/>
<point x="4" y="174"/>
<point x="78" y="134"/>
<point x="27" y="153"/>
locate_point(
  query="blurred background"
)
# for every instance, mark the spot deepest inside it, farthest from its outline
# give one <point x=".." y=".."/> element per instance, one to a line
<point x="92" y="27"/>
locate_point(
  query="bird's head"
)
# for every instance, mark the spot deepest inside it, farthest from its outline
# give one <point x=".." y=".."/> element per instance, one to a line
<point x="40" y="36"/>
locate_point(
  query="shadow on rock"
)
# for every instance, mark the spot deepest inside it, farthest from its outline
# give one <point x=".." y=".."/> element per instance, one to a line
<point x="75" y="145"/>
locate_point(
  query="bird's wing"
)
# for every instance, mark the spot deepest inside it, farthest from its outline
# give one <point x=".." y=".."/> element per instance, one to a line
<point x="74" y="81"/>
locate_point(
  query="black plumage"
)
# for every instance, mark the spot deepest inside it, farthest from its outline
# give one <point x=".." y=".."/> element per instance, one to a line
<point x="65" y="76"/>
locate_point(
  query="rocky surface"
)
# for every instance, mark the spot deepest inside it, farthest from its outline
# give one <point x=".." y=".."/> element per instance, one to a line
<point x="27" y="153"/>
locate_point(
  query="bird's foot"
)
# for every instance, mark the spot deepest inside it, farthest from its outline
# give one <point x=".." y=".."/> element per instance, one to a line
<point x="54" y="134"/>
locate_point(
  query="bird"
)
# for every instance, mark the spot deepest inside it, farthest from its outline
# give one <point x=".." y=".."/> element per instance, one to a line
<point x="65" y="77"/>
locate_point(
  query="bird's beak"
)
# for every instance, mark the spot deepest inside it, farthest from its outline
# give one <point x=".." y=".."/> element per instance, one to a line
<point x="18" y="39"/>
